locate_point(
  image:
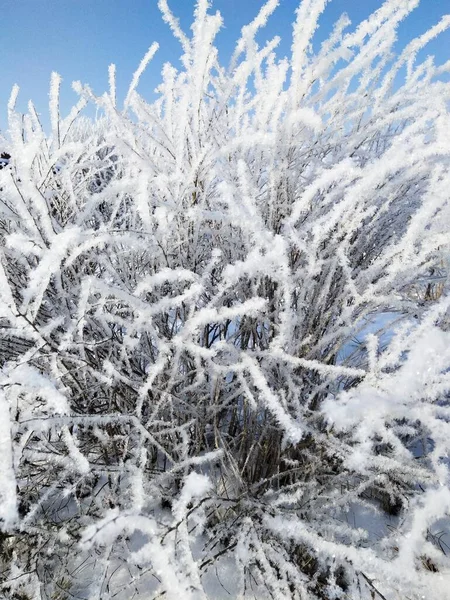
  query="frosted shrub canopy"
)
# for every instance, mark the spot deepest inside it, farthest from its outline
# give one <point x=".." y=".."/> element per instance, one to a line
<point x="224" y="341"/>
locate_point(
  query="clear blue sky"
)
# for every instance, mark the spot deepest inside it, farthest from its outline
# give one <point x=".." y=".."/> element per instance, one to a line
<point x="80" y="38"/>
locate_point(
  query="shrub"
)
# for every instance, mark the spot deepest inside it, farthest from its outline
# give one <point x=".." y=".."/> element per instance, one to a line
<point x="212" y="358"/>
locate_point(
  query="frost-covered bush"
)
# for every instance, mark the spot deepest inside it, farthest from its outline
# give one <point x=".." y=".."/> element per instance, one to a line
<point x="224" y="342"/>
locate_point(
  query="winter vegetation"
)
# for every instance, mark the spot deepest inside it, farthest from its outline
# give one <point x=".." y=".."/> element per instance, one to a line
<point x="224" y="325"/>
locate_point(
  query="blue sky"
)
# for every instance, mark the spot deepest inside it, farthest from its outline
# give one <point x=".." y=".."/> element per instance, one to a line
<point x="80" y="38"/>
